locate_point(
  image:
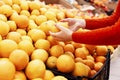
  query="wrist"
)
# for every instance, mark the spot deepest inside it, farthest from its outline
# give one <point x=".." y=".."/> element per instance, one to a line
<point x="83" y="23"/>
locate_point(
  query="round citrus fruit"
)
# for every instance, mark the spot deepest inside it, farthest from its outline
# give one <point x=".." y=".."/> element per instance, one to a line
<point x="20" y="75"/>
<point x="40" y="54"/>
<point x="48" y="75"/>
<point x="51" y="62"/>
<point x="19" y="58"/>
<point x="4" y="28"/>
<point x="6" y="68"/>
<point x="22" y="21"/>
<point x="15" y="36"/>
<point x="36" y="34"/>
<point x="7" y="46"/>
<point x="35" y="69"/>
<point x="42" y="44"/>
<point x="56" y="50"/>
<point x="59" y="78"/>
<point x="26" y="46"/>
<point x="65" y="63"/>
<point x="12" y="25"/>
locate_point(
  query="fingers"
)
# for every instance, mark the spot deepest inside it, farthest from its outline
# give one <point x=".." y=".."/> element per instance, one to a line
<point x="56" y="36"/>
<point x="66" y="20"/>
<point x="52" y="34"/>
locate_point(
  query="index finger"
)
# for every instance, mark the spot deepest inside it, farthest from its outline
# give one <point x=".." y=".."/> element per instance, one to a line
<point x="66" y="20"/>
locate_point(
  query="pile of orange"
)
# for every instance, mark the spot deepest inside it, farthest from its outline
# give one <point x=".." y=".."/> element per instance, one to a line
<point x="27" y="50"/>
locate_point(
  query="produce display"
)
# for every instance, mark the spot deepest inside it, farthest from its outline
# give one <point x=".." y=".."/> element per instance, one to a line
<point x="27" y="50"/>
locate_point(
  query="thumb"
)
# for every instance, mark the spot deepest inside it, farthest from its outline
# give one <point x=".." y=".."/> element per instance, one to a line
<point x="52" y="34"/>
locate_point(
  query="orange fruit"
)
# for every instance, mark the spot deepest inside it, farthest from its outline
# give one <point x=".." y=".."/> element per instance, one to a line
<point x="31" y="25"/>
<point x="1" y="3"/>
<point x="34" y="5"/>
<point x="81" y="69"/>
<point x="65" y="63"/>
<point x="25" y="37"/>
<point x="16" y="7"/>
<point x="8" y="2"/>
<point x="60" y="15"/>
<point x="70" y="54"/>
<point x="89" y="63"/>
<point x="81" y="52"/>
<point x="89" y="57"/>
<point x="100" y="59"/>
<point x="12" y="25"/>
<point x="42" y="44"/>
<point x="25" y="12"/>
<point x="22" y="21"/>
<point x="98" y="66"/>
<point x="3" y="17"/>
<point x="55" y="10"/>
<point x="40" y="54"/>
<point x="111" y="48"/>
<point x="101" y="50"/>
<point x="51" y="62"/>
<point x="40" y="19"/>
<point x="78" y="59"/>
<point x="15" y="36"/>
<point x="50" y="15"/>
<point x="4" y="30"/>
<point x="37" y="79"/>
<point x="52" y="26"/>
<point x="16" y="1"/>
<point x="59" y="78"/>
<point x="69" y="14"/>
<point x="24" y="5"/>
<point x="36" y="34"/>
<point x="69" y="47"/>
<point x="6" y="10"/>
<point x="32" y="17"/>
<point x="48" y="26"/>
<point x="16" y="79"/>
<point x="7" y="46"/>
<point x="19" y="58"/>
<point x="43" y="10"/>
<point x="48" y="75"/>
<point x="56" y="50"/>
<point x="26" y="46"/>
<point x="77" y="45"/>
<point x="21" y="31"/>
<point x="44" y="26"/>
<point x="35" y="69"/>
<point x="0" y="38"/>
<point x="6" y="68"/>
<point x="20" y="75"/>
<point x="61" y="43"/>
<point x="13" y="16"/>
<point x="92" y="73"/>
<point x="51" y="40"/>
<point x="35" y="12"/>
<point x="91" y="48"/>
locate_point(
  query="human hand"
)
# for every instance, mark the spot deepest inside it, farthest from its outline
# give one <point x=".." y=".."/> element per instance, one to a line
<point x="75" y="24"/>
<point x="64" y="35"/>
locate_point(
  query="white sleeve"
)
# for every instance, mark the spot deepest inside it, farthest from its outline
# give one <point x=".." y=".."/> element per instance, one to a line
<point x="115" y="65"/>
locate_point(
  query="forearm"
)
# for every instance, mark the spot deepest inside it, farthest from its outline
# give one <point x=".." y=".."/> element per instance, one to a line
<point x="103" y="22"/>
<point x="103" y="36"/>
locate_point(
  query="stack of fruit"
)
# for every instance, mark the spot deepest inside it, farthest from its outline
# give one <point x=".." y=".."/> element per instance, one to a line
<point x="27" y="49"/>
